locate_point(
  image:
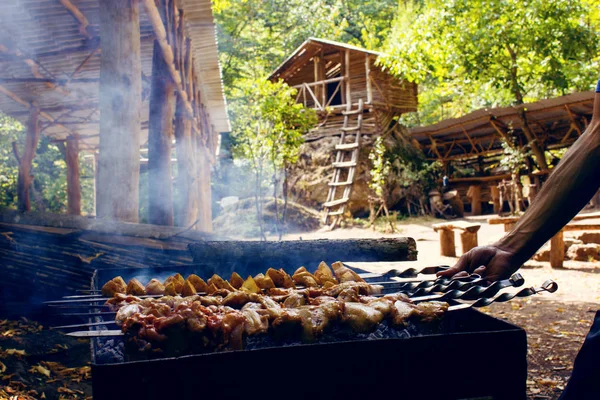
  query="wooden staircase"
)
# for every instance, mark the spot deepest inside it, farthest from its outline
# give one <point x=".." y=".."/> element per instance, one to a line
<point x="346" y="160"/>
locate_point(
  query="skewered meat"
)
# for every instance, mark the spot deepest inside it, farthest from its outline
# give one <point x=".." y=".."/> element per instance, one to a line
<point x="135" y="288"/>
<point x="170" y="289"/>
<point x="324" y="275"/>
<point x="211" y="300"/>
<point x="345" y="274"/>
<point x="251" y="286"/>
<point x="264" y="282"/>
<point x="177" y="281"/>
<point x="236" y="280"/>
<point x="360" y="287"/>
<point x="348" y="295"/>
<point x="294" y="300"/>
<point x="220" y="283"/>
<point x="281" y="278"/>
<point x="114" y="286"/>
<point x="238" y="299"/>
<point x="155" y="287"/>
<point x="188" y="289"/>
<point x="255" y="322"/>
<point x="304" y="278"/>
<point x="362" y="317"/>
<point x="198" y="283"/>
<point x="431" y="310"/>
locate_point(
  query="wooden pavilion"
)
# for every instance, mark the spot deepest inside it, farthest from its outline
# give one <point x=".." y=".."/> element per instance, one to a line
<point x="354" y="98"/>
<point x="475" y="140"/>
<point x="125" y="81"/>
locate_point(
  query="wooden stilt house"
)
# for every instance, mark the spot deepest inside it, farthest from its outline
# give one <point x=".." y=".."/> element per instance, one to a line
<point x="125" y="81"/>
<point x="355" y="100"/>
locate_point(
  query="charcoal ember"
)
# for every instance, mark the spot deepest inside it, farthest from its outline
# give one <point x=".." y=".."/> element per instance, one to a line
<point x="110" y="351"/>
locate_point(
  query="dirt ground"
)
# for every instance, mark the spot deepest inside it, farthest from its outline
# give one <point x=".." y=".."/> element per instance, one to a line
<point x="37" y="363"/>
<point x="556" y="324"/>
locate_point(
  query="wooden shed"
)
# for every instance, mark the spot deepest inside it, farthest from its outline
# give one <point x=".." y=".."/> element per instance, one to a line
<point x="124" y="81"/>
<point x="474" y="141"/>
<point x="353" y="97"/>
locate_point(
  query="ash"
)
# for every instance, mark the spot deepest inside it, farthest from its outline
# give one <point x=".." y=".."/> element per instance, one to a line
<point x="112" y="350"/>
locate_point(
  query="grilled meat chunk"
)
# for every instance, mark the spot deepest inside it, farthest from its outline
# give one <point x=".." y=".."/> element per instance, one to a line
<point x="324" y="275"/>
<point x="220" y="283"/>
<point x="155" y="287"/>
<point x="345" y="274"/>
<point x="305" y="278"/>
<point x="280" y="278"/>
<point x="294" y="301"/>
<point x="135" y="288"/>
<point x="114" y="286"/>
<point x="236" y="280"/>
<point x="264" y="282"/>
<point x="188" y="289"/>
<point x="177" y="281"/>
<point x="362" y="317"/>
<point x="198" y="283"/>
<point x="429" y="311"/>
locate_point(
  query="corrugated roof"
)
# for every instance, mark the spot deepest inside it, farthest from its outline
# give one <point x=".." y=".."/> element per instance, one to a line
<point x="42" y="39"/>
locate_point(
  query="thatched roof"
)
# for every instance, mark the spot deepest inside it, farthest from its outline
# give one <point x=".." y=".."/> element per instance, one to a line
<point x="44" y="45"/>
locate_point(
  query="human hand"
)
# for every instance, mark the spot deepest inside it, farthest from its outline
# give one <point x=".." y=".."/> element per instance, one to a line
<point x="490" y="262"/>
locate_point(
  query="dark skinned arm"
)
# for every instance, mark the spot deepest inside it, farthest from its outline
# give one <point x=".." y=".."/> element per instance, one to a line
<point x="568" y="189"/>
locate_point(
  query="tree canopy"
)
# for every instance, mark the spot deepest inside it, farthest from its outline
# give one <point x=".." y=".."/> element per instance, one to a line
<point x="467" y="54"/>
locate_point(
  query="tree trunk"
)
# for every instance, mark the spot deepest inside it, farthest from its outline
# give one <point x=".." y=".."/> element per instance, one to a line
<point x="25" y="178"/>
<point x="536" y="148"/>
<point x="160" y="136"/>
<point x="120" y="105"/>
<point x="73" y="184"/>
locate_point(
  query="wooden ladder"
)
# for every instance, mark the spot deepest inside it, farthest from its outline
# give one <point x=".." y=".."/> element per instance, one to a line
<point x="344" y="166"/>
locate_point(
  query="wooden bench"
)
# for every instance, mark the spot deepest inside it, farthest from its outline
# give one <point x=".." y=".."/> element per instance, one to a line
<point x="557" y="243"/>
<point x="468" y="236"/>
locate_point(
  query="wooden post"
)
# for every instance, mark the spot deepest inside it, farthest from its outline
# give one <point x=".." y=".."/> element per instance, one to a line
<point x="468" y="240"/>
<point x="160" y="137"/>
<point x="447" y="246"/>
<point x="368" y="78"/>
<point x="557" y="250"/>
<point x="25" y="178"/>
<point x="319" y="69"/>
<point x="120" y="106"/>
<point x="187" y="206"/>
<point x="73" y="184"/>
<point x="474" y="193"/>
<point x="347" y="79"/>
<point x="495" y="195"/>
<point x="95" y="162"/>
<point x="204" y="190"/>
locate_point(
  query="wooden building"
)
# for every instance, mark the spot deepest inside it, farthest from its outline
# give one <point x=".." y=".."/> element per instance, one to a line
<point x="474" y="141"/>
<point x="126" y="81"/>
<point x="355" y="100"/>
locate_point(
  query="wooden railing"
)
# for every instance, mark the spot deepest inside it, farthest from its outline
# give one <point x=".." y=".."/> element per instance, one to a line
<point x="321" y="100"/>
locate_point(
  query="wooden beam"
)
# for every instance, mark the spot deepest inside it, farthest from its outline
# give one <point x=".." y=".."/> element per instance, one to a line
<point x="166" y="51"/>
<point x="25" y="178"/>
<point x="160" y="136"/>
<point x="73" y="183"/>
<point x="120" y="107"/>
<point x="78" y="15"/>
<point x="368" y="78"/>
<point x="187" y="181"/>
<point x="347" y="79"/>
<point x="48" y="80"/>
<point x="34" y="66"/>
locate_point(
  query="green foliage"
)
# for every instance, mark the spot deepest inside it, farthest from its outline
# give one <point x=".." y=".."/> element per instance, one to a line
<point x="256" y="36"/>
<point x="380" y="167"/>
<point x="514" y="157"/>
<point x="468" y="54"/>
<point x="49" y="191"/>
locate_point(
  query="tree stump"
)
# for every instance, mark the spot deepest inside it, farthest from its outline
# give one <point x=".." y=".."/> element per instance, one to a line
<point x="447" y="246"/>
<point x="557" y="250"/>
